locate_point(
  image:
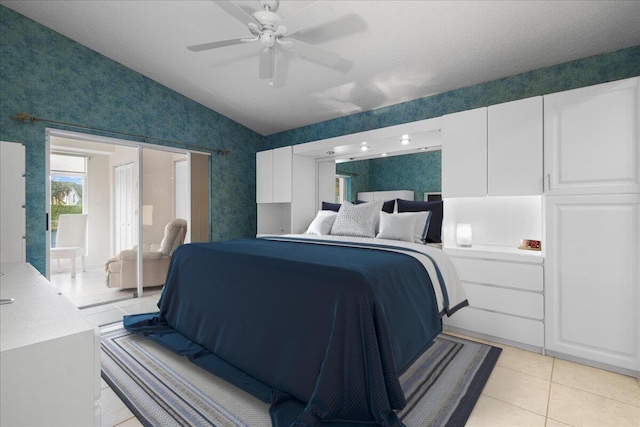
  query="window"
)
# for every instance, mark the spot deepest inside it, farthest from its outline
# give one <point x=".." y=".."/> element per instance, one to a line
<point x="68" y="187"/>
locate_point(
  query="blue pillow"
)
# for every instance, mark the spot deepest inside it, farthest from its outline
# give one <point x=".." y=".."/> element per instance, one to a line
<point x="326" y="206"/>
<point x="387" y="206"/>
<point x="434" y="234"/>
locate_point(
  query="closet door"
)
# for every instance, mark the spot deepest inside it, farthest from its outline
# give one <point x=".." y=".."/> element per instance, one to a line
<point x="283" y="175"/>
<point x="264" y="176"/>
<point x="12" y="194"/>
<point x="592" y="139"/>
<point x="592" y="276"/>
<point x="515" y="148"/>
<point x="464" y="154"/>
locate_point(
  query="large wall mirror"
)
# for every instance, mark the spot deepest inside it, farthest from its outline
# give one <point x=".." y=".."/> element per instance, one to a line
<point x="402" y="157"/>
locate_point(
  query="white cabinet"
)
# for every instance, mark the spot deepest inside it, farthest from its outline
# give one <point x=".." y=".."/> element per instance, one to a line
<point x="12" y="210"/>
<point x="49" y="355"/>
<point x="506" y="297"/>
<point x="592" y="139"/>
<point x="285" y="191"/>
<point x="593" y="278"/>
<point x="464" y="154"/>
<point x="274" y="181"/>
<point x="592" y="219"/>
<point x="495" y="151"/>
<point x="515" y="148"/>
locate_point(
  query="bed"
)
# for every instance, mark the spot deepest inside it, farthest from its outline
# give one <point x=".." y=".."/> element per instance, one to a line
<point x="320" y="326"/>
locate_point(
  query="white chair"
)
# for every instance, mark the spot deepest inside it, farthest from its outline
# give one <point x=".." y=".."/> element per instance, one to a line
<point x="71" y="240"/>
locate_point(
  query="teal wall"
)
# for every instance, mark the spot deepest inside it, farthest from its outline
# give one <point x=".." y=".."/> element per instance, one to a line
<point x="47" y="75"/>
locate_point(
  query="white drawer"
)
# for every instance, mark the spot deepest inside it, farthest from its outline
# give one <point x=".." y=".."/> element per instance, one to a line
<point x="526" y="304"/>
<point x="499" y="325"/>
<point x="513" y="275"/>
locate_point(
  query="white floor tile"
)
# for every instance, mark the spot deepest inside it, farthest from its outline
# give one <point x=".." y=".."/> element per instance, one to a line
<point x="608" y="384"/>
<point x="581" y="408"/>
<point x="522" y="390"/>
<point x="490" y="412"/>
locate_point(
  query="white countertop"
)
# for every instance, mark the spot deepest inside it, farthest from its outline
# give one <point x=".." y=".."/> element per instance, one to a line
<point x="501" y="253"/>
<point x="39" y="312"/>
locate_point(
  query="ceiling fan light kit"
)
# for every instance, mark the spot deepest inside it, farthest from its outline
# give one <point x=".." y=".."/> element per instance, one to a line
<point x="270" y="29"/>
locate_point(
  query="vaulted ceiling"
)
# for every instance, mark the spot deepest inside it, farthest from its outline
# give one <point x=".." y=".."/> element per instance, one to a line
<point x="390" y="51"/>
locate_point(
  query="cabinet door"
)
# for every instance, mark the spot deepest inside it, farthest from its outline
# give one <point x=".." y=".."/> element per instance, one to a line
<point x="282" y="175"/>
<point x="515" y="148"/>
<point x="592" y="277"/>
<point x="592" y="139"/>
<point x="464" y="154"/>
<point x="12" y="194"/>
<point x="264" y="176"/>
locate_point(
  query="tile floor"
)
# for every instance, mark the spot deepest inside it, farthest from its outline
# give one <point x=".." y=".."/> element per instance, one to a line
<point x="524" y="389"/>
<point x="88" y="287"/>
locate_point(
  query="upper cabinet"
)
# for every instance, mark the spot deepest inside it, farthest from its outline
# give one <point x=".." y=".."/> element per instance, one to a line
<point x="464" y="154"/>
<point x="274" y="181"/>
<point x="495" y="151"/>
<point x="591" y="139"/>
<point x="514" y="138"/>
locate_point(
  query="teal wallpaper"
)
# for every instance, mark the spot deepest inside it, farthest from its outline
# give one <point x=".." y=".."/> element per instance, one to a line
<point x="49" y="76"/>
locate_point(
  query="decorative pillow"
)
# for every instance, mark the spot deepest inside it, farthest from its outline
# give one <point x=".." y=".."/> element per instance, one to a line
<point x="357" y="220"/>
<point x="423" y="219"/>
<point x="327" y="206"/>
<point x="322" y="223"/>
<point x="397" y="226"/>
<point x="387" y="206"/>
<point x="435" y="225"/>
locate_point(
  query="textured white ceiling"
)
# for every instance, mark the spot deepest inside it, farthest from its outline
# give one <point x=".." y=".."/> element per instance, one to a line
<point x="392" y="51"/>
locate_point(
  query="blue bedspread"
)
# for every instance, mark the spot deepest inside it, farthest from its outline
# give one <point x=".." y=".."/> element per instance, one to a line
<point x="320" y="331"/>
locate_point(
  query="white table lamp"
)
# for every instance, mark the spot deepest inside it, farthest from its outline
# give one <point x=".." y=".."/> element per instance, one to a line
<point x="463" y="235"/>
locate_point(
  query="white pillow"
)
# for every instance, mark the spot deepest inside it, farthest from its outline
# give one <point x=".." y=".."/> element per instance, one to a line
<point x="322" y="223"/>
<point x="422" y="226"/>
<point x="400" y="226"/>
<point x="357" y="220"/>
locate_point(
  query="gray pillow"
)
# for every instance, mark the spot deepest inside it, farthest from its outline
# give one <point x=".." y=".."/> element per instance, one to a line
<point x="357" y="220"/>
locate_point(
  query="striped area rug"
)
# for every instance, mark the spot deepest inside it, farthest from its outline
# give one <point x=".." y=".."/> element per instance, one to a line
<point x="165" y="389"/>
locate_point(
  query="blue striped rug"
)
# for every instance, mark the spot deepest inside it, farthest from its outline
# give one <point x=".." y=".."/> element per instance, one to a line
<point x="165" y="389"/>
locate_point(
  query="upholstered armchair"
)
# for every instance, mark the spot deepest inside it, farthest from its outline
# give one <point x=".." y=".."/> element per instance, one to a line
<point x="121" y="270"/>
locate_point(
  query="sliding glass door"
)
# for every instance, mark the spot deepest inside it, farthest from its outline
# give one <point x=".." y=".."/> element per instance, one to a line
<point x="141" y="201"/>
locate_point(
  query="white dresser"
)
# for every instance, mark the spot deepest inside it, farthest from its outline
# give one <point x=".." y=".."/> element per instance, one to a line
<point x="505" y="289"/>
<point x="49" y="355"/>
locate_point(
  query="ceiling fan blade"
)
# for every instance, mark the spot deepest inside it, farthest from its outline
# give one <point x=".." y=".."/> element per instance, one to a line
<point x="267" y="57"/>
<point x="234" y="10"/>
<point x="214" y="45"/>
<point x="315" y="14"/>
<point x="313" y="52"/>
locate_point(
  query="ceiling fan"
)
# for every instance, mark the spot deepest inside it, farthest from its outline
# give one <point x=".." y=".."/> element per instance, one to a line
<point x="271" y="30"/>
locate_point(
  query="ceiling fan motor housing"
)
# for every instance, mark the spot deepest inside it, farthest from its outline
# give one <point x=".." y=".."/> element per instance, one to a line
<point x="271" y="5"/>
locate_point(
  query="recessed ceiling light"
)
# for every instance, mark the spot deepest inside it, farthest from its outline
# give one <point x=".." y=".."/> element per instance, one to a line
<point x="364" y="143"/>
<point x="405" y="141"/>
<point x="384" y="154"/>
<point x="364" y="148"/>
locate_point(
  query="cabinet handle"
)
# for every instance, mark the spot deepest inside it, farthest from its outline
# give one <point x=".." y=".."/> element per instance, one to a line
<point x="547" y="179"/>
